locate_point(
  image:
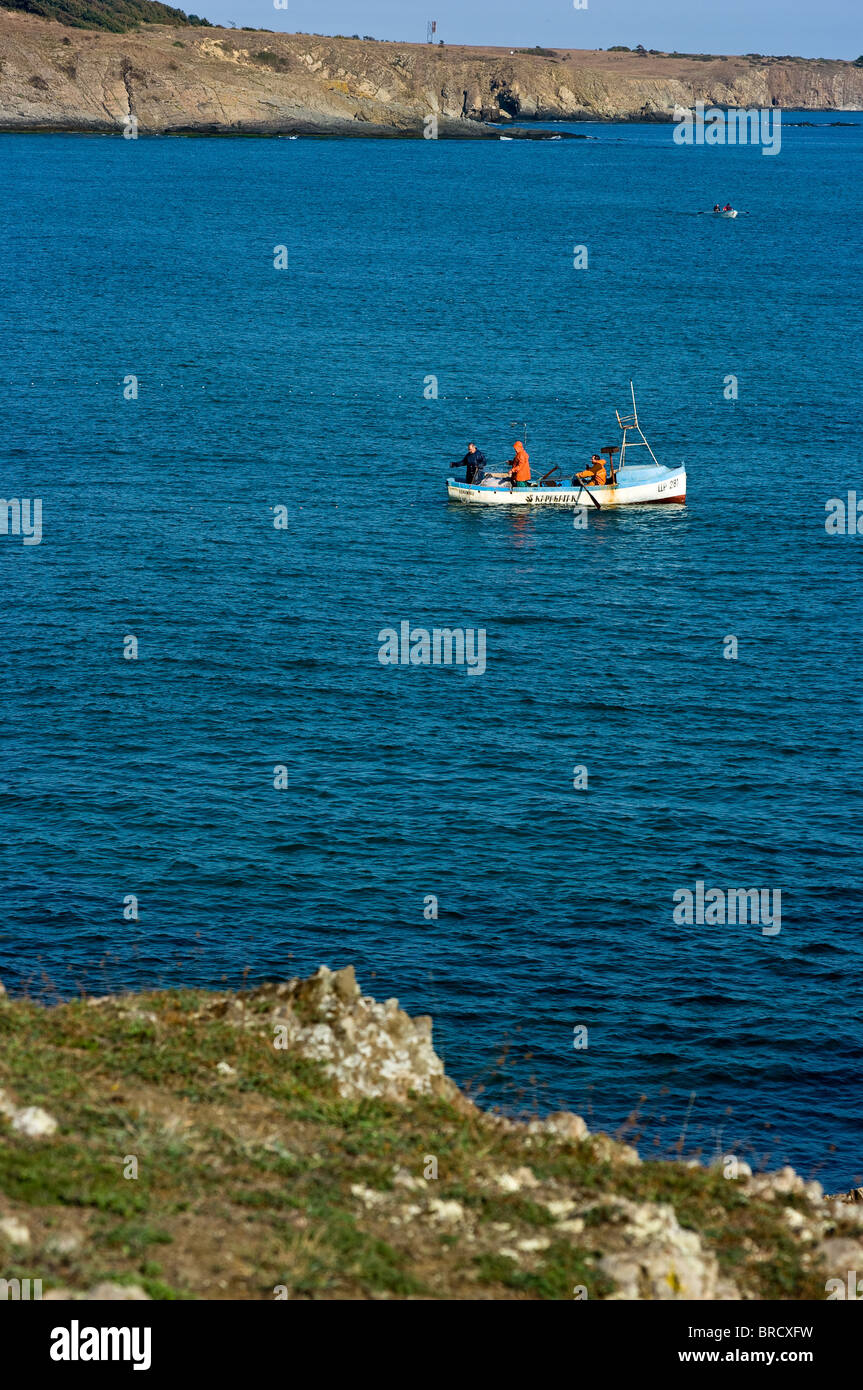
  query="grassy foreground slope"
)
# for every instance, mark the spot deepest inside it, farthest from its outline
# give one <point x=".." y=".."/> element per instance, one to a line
<point x="187" y="1144"/>
<point x="116" y="15"/>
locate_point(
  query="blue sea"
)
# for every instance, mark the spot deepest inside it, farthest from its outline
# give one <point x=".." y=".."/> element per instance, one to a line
<point x="414" y="790"/>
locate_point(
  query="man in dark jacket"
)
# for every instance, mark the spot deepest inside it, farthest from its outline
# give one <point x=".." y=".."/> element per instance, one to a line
<point x="473" y="463"/>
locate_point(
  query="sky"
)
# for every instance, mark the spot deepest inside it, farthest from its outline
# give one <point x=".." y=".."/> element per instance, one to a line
<point x="806" y="28"/>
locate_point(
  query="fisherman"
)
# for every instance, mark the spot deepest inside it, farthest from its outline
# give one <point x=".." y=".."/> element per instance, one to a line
<point x="595" y="474"/>
<point x="473" y="463"/>
<point x="716" y="207"/>
<point x="519" y="467"/>
<point x="728" y="208"/>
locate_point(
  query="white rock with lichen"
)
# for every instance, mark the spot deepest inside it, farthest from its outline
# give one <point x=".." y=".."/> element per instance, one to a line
<point x="560" y="1210"/>
<point x="445" y="1211"/>
<point x="31" y="1120"/>
<point x="367" y="1195"/>
<point x="841" y="1255"/>
<point x="612" y="1151"/>
<point x="14" y="1231"/>
<point x="532" y="1244"/>
<point x="571" y="1227"/>
<point x="34" y="1122"/>
<point x="515" y="1181"/>
<point x="402" y="1178"/>
<point x="563" y="1125"/>
<point x="659" y="1259"/>
<point x="784" y="1183"/>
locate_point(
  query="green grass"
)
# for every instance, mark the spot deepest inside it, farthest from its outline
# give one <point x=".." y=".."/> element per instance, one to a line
<point x="266" y="58"/>
<point x="564" y="1269"/>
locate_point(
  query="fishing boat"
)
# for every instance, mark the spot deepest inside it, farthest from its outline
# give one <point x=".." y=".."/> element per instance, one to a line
<point x="726" y="212"/>
<point x="629" y="483"/>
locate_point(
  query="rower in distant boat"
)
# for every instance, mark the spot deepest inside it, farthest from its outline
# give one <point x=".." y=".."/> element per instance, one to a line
<point x="519" y="467"/>
<point x="473" y="463"/>
<point x="728" y="208"/>
<point x="596" y="474"/>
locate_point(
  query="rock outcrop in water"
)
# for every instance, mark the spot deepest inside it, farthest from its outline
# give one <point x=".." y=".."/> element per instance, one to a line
<point x="302" y="1140"/>
<point x="245" y="81"/>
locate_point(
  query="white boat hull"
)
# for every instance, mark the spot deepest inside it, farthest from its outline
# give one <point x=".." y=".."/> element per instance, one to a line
<point x="732" y="212"/>
<point x="663" y="485"/>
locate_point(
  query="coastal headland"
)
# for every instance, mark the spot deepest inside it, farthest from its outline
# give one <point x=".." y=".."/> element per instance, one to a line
<point x="184" y="79"/>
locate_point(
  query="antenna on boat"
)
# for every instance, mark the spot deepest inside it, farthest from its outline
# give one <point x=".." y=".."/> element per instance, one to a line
<point x="629" y="424"/>
<point x="514" y="425"/>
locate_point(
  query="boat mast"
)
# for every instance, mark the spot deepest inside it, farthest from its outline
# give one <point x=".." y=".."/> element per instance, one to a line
<point x="629" y="424"/>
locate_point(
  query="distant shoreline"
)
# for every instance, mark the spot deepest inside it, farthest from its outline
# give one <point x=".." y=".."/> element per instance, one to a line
<point x="361" y="133"/>
<point x="473" y="133"/>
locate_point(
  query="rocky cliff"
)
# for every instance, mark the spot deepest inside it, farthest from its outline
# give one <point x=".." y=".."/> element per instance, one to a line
<point x="244" y="81"/>
<point x="301" y="1140"/>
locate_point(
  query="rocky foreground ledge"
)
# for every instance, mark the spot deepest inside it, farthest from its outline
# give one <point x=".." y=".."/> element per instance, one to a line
<point x="190" y="80"/>
<point x="301" y="1140"/>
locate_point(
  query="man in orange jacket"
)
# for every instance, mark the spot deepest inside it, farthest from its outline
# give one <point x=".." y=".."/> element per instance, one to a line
<point x="519" y="466"/>
<point x="595" y="474"/>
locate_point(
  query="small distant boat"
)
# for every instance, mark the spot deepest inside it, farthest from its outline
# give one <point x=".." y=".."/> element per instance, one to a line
<point x="644" y="482"/>
<point x="506" y="137"/>
<point x="726" y="212"/>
